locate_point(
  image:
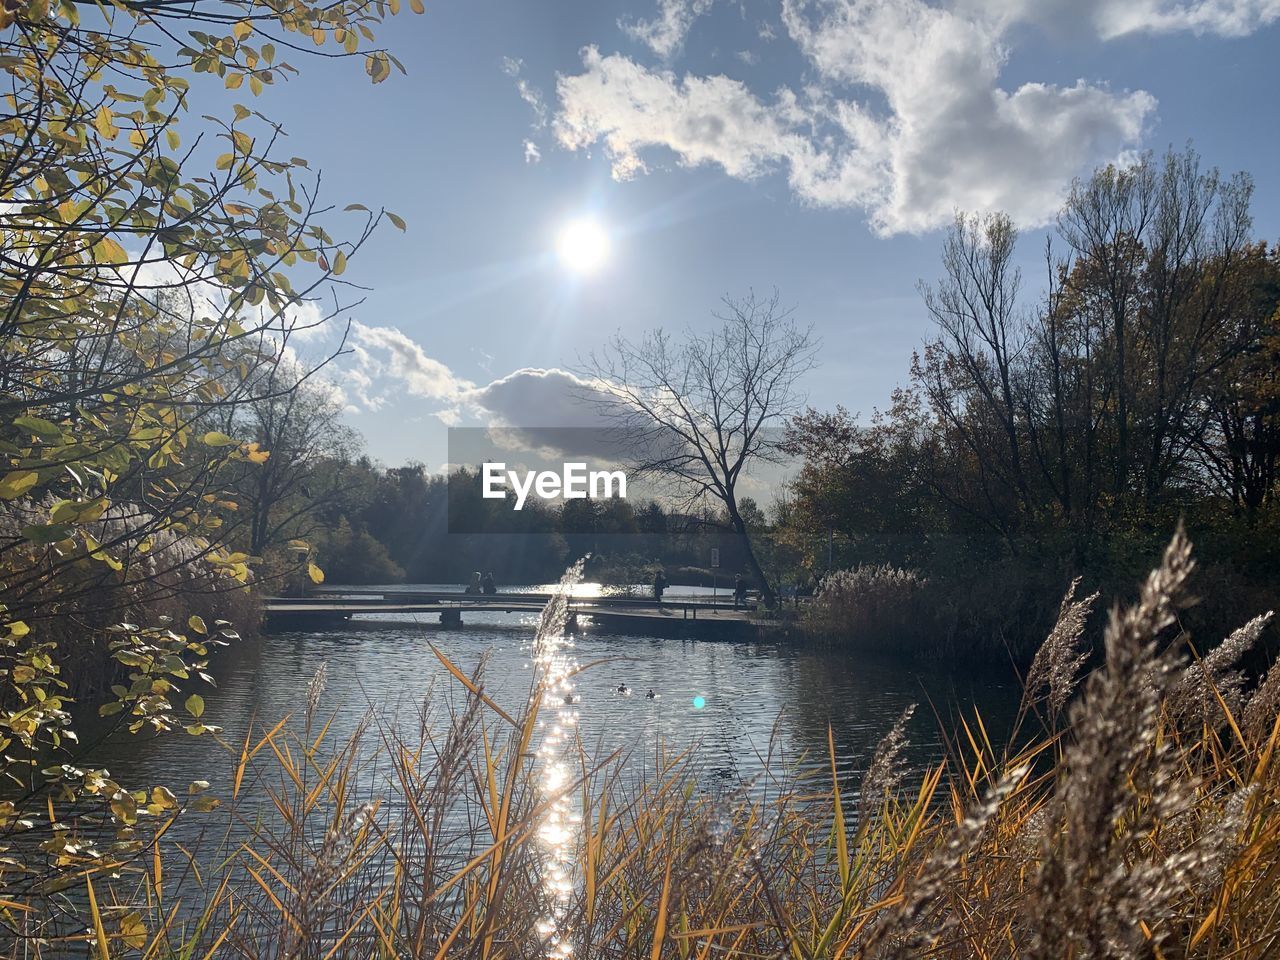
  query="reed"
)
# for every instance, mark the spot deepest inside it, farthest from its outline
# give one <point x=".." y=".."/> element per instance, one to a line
<point x="1132" y="817"/>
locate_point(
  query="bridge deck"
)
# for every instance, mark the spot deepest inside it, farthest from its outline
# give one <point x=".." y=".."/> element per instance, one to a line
<point x="684" y="616"/>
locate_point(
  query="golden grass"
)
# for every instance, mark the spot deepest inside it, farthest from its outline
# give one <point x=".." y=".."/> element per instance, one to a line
<point x="1129" y="821"/>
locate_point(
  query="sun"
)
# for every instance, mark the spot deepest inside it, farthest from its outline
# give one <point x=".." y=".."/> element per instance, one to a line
<point x="583" y="245"/>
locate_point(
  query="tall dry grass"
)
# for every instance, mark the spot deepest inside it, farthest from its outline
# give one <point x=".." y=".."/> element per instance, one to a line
<point x="1135" y="817"/>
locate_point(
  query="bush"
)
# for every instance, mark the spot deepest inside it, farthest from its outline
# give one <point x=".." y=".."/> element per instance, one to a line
<point x="873" y="607"/>
<point x="73" y="598"/>
<point x="351" y="555"/>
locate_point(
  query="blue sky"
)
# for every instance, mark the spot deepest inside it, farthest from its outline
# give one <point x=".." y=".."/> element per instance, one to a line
<point x="813" y="146"/>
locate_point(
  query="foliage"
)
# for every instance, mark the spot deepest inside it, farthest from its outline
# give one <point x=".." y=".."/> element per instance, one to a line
<point x="350" y="555"/>
<point x="152" y="267"/>
<point x="1060" y="437"/>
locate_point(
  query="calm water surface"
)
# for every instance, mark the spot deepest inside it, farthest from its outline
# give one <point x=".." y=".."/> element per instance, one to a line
<point x="728" y="702"/>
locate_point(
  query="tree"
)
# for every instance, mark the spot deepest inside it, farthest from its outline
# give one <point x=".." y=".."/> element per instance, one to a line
<point x="1240" y="447"/>
<point x="1064" y="435"/>
<point x="141" y="293"/>
<point x="1157" y="247"/>
<point x="980" y="344"/>
<point x="697" y="412"/>
<point x="297" y="421"/>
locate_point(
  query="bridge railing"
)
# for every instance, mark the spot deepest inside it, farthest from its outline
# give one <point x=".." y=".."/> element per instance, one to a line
<point x="474" y="600"/>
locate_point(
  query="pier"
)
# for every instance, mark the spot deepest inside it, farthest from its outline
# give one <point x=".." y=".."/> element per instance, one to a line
<point x="689" y="617"/>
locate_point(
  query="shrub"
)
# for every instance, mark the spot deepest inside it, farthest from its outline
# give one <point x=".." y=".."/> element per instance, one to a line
<point x="872" y="606"/>
<point x="71" y="597"/>
<point x="351" y="555"/>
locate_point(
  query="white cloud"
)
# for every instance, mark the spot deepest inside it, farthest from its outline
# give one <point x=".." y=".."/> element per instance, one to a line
<point x="665" y="34"/>
<point x="386" y="358"/>
<point x="513" y="67"/>
<point x="385" y="362"/>
<point x="953" y="137"/>
<point x="531" y="152"/>
<point x="947" y="136"/>
<point x="1116" y="18"/>
<point x="630" y="108"/>
<point x="542" y="398"/>
<point x="552" y="412"/>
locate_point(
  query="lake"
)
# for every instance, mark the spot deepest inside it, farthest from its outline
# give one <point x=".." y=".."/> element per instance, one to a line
<point x="738" y="709"/>
<point x="727" y="702"/>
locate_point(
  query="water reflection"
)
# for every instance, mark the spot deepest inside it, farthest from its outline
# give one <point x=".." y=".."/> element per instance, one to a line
<point x="557" y="834"/>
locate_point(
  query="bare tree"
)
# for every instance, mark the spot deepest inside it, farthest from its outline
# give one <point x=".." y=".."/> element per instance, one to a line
<point x="698" y="410"/>
<point x="297" y="419"/>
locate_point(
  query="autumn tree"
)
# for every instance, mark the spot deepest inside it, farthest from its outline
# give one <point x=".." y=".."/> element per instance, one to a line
<point x="1069" y="430"/>
<point x="151" y="262"/>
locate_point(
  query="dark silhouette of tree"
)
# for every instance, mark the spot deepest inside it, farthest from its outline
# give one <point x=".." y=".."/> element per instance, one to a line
<point x="698" y="411"/>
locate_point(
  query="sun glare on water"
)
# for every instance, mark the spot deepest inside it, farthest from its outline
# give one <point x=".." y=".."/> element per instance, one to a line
<point x="583" y="245"/>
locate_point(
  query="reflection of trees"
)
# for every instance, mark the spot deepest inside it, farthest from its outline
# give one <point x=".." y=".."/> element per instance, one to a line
<point x="861" y="699"/>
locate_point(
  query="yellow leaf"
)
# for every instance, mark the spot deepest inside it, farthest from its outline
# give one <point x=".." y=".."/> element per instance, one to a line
<point x="416" y="6"/>
<point x="242" y="29"/>
<point x="109" y="251"/>
<point x="18" y="629"/>
<point x="195" y="705"/>
<point x="103" y="123"/>
<point x="196" y="623"/>
<point x="315" y="573"/>
<point x="17" y="483"/>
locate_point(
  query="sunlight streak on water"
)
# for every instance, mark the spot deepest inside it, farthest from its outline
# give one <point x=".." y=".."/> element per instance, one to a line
<point x="556" y="665"/>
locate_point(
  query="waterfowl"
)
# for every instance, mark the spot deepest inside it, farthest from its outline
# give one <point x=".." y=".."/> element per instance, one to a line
<point x="623" y="689"/>
<point x="651" y="695"/>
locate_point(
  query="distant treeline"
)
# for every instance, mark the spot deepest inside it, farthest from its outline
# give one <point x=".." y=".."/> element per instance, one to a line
<point x="406" y="524"/>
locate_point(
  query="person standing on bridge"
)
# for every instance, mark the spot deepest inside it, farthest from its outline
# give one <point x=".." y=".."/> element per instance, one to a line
<point x="474" y="586"/>
<point x="488" y="585"/>
<point x="659" y="584"/>
<point x="739" y="591"/>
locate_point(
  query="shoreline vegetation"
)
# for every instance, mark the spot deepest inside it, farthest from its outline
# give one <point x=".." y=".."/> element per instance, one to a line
<point x="1131" y="815"/>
